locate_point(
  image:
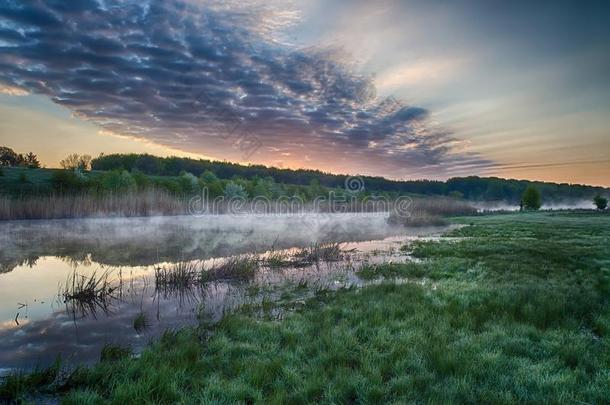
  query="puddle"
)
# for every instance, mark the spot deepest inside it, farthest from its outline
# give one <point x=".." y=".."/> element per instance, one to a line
<point x="37" y="258"/>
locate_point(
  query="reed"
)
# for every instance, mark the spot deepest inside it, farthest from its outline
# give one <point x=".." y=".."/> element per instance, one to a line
<point x="431" y="212"/>
<point x="177" y="276"/>
<point x="184" y="276"/>
<point x="140" y="323"/>
<point x="276" y="259"/>
<point x="129" y="204"/>
<point x="317" y="252"/>
<point x="87" y="294"/>
<point x="242" y="267"/>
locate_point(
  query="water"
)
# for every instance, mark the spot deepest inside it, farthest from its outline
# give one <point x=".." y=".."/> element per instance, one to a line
<point x="38" y="257"/>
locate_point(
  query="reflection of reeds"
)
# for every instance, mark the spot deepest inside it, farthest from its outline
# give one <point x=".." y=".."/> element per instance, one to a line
<point x="179" y="275"/>
<point x="183" y="276"/>
<point x="140" y="322"/>
<point x="88" y="293"/>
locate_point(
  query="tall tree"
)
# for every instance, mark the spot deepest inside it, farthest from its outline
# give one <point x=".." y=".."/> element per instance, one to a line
<point x="31" y="160"/>
<point x="531" y="200"/>
<point x="76" y="161"/>
<point x="600" y="202"/>
<point x="8" y="157"/>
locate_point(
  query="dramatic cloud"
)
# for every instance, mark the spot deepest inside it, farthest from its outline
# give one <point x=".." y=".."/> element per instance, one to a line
<point x="216" y="78"/>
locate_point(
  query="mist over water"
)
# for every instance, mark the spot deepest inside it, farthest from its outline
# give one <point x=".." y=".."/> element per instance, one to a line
<point x="38" y="257"/>
<point x="149" y="240"/>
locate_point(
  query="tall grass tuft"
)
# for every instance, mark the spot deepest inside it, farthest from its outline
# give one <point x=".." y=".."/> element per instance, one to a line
<point x="86" y="294"/>
<point x="317" y="252"/>
<point x="242" y="267"/>
<point x="177" y="276"/>
<point x="183" y="276"/>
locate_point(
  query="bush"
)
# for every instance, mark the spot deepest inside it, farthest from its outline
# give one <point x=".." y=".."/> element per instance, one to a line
<point x="208" y="177"/>
<point x="169" y="185"/>
<point x="142" y="180"/>
<point x="188" y="183"/>
<point x="67" y="180"/>
<point x="234" y="190"/>
<point x="118" y="181"/>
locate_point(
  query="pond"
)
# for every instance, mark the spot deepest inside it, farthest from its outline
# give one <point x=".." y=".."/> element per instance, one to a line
<point x="39" y="261"/>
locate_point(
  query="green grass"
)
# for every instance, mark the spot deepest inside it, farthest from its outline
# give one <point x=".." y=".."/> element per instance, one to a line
<point x="518" y="312"/>
<point x="36" y="181"/>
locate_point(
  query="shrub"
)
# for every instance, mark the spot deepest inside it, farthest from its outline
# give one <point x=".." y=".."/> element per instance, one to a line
<point x="67" y="180"/>
<point x="188" y="183"/>
<point x="169" y="185"/>
<point x="208" y="177"/>
<point x="118" y="181"/>
<point x="142" y="180"/>
<point x="234" y="190"/>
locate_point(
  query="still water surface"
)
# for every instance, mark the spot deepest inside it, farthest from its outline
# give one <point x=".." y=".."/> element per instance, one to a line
<point x="38" y="257"/>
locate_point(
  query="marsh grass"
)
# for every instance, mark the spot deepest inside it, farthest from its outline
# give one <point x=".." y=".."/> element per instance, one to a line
<point x="140" y="323"/>
<point x="184" y="276"/>
<point x="114" y="352"/>
<point x="521" y="314"/>
<point x="127" y="204"/>
<point x="177" y="276"/>
<point x="241" y="267"/>
<point x="278" y="259"/>
<point x="17" y="388"/>
<point x="303" y="257"/>
<point x="87" y="294"/>
<point x="431" y="212"/>
<point x="319" y="252"/>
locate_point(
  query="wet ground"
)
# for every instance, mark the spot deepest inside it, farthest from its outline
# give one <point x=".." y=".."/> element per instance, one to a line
<point x="38" y="259"/>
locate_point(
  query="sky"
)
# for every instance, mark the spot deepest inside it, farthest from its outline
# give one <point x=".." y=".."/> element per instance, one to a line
<point x="403" y="89"/>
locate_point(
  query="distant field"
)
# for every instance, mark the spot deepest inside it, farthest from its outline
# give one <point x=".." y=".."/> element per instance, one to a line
<point x="511" y="308"/>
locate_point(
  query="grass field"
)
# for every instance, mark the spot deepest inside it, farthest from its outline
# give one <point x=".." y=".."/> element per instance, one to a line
<point x="511" y="308"/>
<point x="21" y="180"/>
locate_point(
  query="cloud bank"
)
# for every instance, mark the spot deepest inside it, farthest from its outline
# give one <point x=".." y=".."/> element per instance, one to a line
<point x="217" y="78"/>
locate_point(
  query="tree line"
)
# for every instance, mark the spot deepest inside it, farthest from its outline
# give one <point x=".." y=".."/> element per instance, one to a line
<point x="182" y="176"/>
<point x="9" y="157"/>
<point x="471" y="188"/>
